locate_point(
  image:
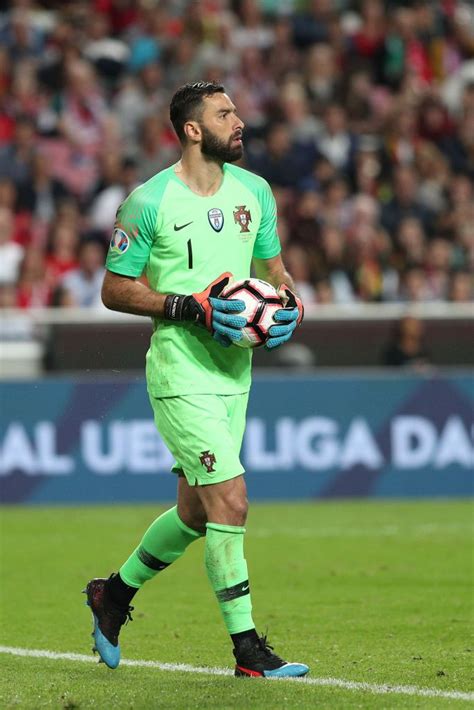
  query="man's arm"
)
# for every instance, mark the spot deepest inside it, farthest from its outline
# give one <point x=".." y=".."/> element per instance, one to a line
<point x="219" y="316"/>
<point x="273" y="270"/>
<point x="128" y="295"/>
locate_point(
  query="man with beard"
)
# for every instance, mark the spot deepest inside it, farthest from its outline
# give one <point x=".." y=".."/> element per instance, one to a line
<point x="201" y="221"/>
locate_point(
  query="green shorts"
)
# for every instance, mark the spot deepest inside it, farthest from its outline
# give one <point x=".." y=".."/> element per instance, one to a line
<point x="204" y="433"/>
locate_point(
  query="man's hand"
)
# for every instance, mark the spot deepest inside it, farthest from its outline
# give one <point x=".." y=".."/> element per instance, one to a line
<point x="216" y="314"/>
<point x="288" y="318"/>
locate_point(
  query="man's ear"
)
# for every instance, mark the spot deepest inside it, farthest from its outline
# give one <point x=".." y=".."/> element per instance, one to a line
<point x="192" y="131"/>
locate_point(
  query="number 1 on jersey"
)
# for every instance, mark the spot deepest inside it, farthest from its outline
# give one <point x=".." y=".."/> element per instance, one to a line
<point x="190" y="254"/>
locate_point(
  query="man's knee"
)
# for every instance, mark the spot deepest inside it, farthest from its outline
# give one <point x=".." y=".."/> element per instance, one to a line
<point x="230" y="507"/>
<point x="238" y="507"/>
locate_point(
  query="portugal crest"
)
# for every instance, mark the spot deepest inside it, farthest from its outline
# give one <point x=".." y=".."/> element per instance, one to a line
<point x="242" y="217"/>
<point x="208" y="460"/>
<point x="216" y="219"/>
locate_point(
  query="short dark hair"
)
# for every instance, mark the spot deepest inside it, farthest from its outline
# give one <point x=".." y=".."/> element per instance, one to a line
<point x="186" y="103"/>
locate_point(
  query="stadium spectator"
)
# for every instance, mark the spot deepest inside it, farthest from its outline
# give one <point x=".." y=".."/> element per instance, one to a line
<point x="82" y="108"/>
<point x="324" y="292"/>
<point x="21" y="36"/>
<point x="362" y="215"/>
<point x="333" y="264"/>
<point x="457" y="222"/>
<point x="33" y="290"/>
<point x="8" y="193"/>
<point x="370" y="253"/>
<point x="282" y="162"/>
<point x="283" y="57"/>
<point x="304" y="222"/>
<point x="411" y="240"/>
<point x="359" y="101"/>
<point x="251" y="31"/>
<point x="459" y="147"/>
<point x="438" y="264"/>
<point x="335" y="206"/>
<point x="461" y="287"/>
<point x="62" y="252"/>
<point x="304" y="126"/>
<point x="435" y="123"/>
<point x="406" y="348"/>
<point x="367" y="166"/>
<point x="311" y="26"/>
<point x="435" y="176"/>
<point x="335" y="141"/>
<point x="138" y="96"/>
<point x="369" y="39"/>
<point x="24" y="99"/>
<point x="414" y="286"/>
<point x="157" y="148"/>
<point x="217" y="52"/>
<point x="108" y="54"/>
<point x="16" y="157"/>
<point x="254" y="89"/>
<point x="11" y="253"/>
<point x="297" y="263"/>
<point x="182" y="62"/>
<point x="402" y="137"/>
<point x="41" y="194"/>
<point x="82" y="286"/>
<point x="404" y="202"/>
<point x="119" y="177"/>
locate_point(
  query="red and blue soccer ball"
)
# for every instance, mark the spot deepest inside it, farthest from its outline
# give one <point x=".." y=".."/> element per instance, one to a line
<point x="261" y="303"/>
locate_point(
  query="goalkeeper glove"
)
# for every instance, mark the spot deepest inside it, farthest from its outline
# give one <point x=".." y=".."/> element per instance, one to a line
<point x="216" y="314"/>
<point x="288" y="318"/>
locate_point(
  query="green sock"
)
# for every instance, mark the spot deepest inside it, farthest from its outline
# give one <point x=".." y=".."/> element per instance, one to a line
<point x="227" y="571"/>
<point x="164" y="542"/>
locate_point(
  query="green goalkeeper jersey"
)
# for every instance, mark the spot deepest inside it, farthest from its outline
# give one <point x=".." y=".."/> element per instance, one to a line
<point x="183" y="241"/>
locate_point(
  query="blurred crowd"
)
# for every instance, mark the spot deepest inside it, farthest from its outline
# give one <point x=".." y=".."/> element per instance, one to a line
<point x="359" y="113"/>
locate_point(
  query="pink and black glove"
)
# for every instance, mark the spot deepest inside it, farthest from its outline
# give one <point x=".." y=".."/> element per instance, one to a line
<point x="205" y="308"/>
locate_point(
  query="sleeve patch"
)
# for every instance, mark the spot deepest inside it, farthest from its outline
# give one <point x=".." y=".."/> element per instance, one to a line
<point x="120" y="241"/>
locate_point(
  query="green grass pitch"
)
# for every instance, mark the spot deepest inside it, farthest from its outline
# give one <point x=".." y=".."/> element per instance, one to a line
<point x="367" y="591"/>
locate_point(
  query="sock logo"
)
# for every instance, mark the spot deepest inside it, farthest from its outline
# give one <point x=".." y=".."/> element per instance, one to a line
<point x="151" y="561"/>
<point x="230" y="593"/>
<point x="208" y="460"/>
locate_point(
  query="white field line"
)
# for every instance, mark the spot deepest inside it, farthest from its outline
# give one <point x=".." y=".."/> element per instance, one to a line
<point x="384" y="689"/>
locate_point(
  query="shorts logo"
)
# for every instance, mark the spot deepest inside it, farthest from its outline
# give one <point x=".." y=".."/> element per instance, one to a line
<point x="242" y="217"/>
<point x="119" y="242"/>
<point x="216" y="219"/>
<point x="208" y="460"/>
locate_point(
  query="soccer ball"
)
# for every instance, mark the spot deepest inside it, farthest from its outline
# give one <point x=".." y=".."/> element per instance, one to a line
<point x="261" y="302"/>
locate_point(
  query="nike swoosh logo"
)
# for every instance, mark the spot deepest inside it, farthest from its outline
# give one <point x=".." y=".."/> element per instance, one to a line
<point x="181" y="226"/>
<point x="244" y="589"/>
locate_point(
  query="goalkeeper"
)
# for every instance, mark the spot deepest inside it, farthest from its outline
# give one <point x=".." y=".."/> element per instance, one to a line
<point x="190" y="228"/>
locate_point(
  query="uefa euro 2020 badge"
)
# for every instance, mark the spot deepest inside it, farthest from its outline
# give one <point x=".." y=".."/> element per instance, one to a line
<point x="119" y="242"/>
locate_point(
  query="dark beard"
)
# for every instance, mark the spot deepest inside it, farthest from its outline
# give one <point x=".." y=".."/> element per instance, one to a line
<point x="216" y="149"/>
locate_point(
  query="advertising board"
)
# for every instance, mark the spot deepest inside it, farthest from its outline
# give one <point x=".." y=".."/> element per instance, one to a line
<point x="81" y="441"/>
